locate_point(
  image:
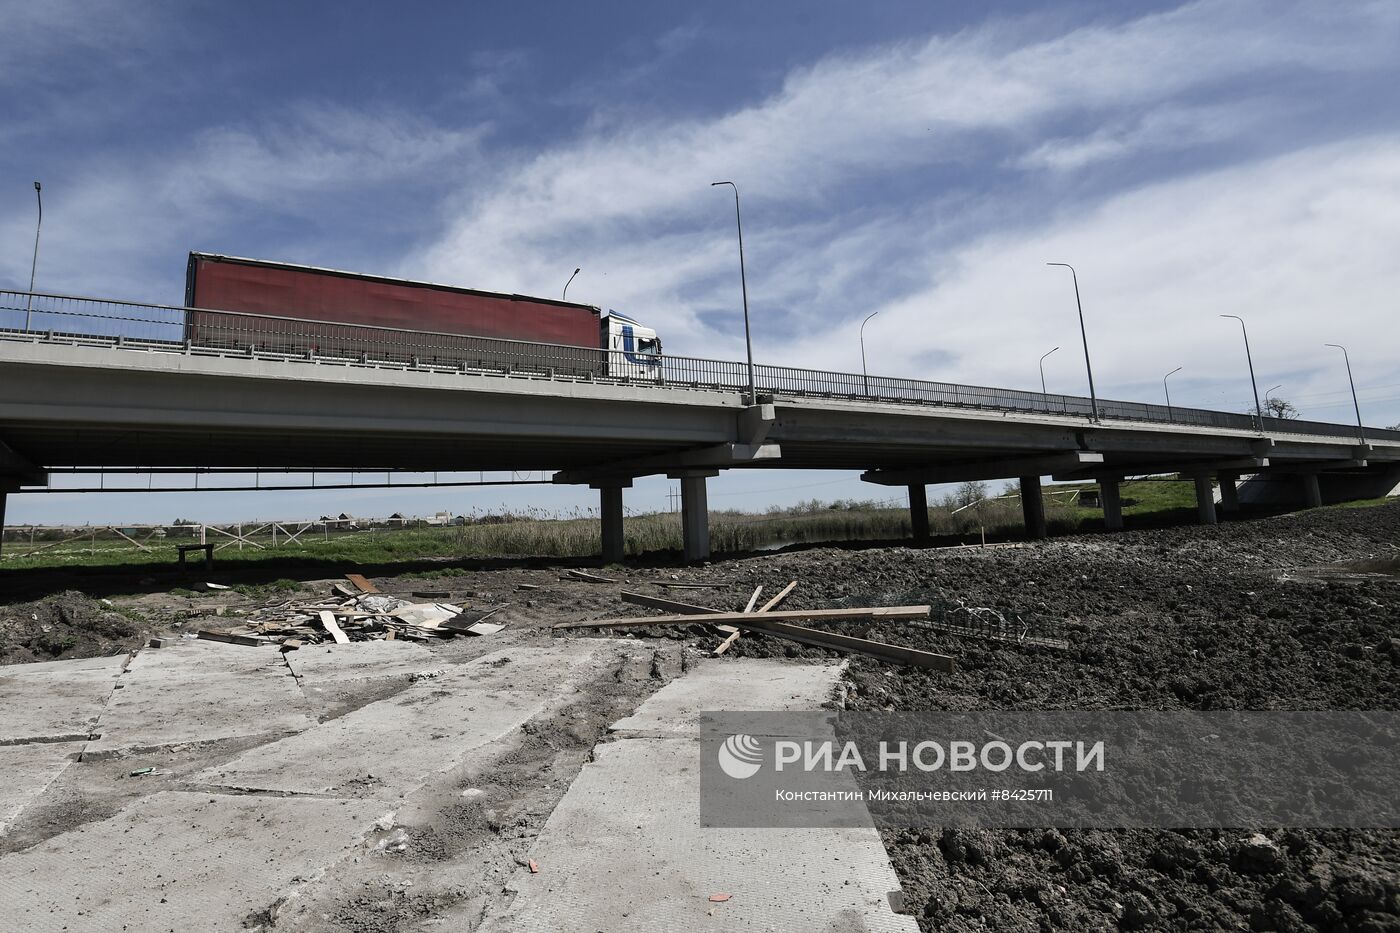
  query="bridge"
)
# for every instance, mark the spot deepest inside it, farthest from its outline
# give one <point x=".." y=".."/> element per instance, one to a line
<point x="99" y="384"/>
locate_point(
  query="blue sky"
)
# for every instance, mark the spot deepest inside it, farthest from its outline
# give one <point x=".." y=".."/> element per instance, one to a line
<point x="920" y="160"/>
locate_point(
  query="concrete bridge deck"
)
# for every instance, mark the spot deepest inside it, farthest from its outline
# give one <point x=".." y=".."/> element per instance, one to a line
<point x="98" y="401"/>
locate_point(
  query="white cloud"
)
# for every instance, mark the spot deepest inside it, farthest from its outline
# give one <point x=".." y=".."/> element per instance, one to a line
<point x="111" y="223"/>
<point x="1300" y="245"/>
<point x="634" y="203"/>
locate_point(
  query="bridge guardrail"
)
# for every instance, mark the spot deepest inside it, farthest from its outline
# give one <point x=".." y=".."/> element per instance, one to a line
<point x="68" y="318"/>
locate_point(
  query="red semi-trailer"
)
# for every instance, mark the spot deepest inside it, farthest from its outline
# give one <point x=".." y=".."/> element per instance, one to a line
<point x="328" y="312"/>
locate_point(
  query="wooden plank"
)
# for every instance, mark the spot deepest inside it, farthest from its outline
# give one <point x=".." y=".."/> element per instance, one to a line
<point x="363" y="585"/>
<point x="672" y="585"/>
<point x="340" y="589"/>
<point x="879" y="613"/>
<point x="656" y="602"/>
<point x="734" y="634"/>
<point x="328" y="620"/>
<point x="588" y="577"/>
<point x="669" y="605"/>
<point x="897" y="654"/>
<point x="782" y="595"/>
<point x="230" y="638"/>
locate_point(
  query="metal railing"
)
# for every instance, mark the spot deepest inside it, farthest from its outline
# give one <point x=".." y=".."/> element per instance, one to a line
<point x="170" y="328"/>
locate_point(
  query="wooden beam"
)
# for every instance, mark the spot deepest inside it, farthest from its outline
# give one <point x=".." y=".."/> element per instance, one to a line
<point x="878" y="613"/>
<point x="667" y="605"/>
<point x="831" y="640"/>
<point x="782" y="595"/>
<point x="733" y="634"/>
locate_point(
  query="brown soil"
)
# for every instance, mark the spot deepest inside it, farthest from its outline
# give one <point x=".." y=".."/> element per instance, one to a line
<point x="67" y="625"/>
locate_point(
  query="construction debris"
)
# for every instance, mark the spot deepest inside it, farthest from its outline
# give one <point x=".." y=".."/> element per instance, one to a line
<point x="364" y="616"/>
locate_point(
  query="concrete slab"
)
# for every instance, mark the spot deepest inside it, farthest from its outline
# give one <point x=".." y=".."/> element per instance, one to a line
<point x="194" y="656"/>
<point x="181" y="700"/>
<point x="624" y="851"/>
<point x="55" y="700"/>
<point x="426" y="729"/>
<point x="737" y="684"/>
<point x="316" y="665"/>
<point x="28" y="771"/>
<point x="178" y="861"/>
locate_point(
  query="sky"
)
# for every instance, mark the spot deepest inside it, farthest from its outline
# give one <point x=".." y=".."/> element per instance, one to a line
<point x="923" y="161"/>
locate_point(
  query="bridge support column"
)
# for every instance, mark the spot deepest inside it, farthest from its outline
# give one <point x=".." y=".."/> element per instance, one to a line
<point x="918" y="511"/>
<point x="695" y="513"/>
<point x="610" y="511"/>
<point x="1229" y="494"/>
<point x="3" y="496"/>
<point x="1205" y="499"/>
<point x="1112" y="504"/>
<point x="1033" y="507"/>
<point x="1312" y="490"/>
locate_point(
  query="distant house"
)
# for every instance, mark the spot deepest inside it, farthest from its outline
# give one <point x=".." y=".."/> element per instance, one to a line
<point x="441" y="518"/>
<point x="396" y="519"/>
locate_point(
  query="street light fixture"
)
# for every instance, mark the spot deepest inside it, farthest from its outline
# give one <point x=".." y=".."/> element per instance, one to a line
<point x="1269" y="392"/>
<point x="1360" y="431"/>
<point x="1168" y="392"/>
<point x="1093" y="397"/>
<point x="565" y="296"/>
<point x="864" y="372"/>
<point x="743" y="284"/>
<point x="1042" y="370"/>
<point x="34" y="265"/>
<point x="1258" y="409"/>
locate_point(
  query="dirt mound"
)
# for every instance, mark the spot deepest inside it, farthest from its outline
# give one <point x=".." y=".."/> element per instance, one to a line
<point x="63" y="626"/>
<point x="1191" y="618"/>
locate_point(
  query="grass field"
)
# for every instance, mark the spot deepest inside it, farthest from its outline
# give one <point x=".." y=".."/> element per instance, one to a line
<point x="1145" y="503"/>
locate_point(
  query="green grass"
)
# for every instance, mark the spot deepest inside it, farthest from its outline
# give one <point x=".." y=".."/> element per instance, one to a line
<point x="1144" y="503"/>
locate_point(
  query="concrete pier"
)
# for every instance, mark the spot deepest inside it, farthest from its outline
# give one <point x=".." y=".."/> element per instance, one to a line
<point x="1112" y="504"/>
<point x="1205" y="499"/>
<point x="695" y="515"/>
<point x="918" y="511"/>
<point x="1312" y="490"/>
<point x="610" y="511"/>
<point x="1229" y="493"/>
<point x="1033" y="507"/>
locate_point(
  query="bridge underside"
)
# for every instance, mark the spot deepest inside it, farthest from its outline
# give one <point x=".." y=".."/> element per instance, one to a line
<point x="65" y="407"/>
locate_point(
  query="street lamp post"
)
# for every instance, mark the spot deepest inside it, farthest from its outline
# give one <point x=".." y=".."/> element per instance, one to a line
<point x="1258" y="409"/>
<point x="1042" y="370"/>
<point x="1360" y="431"/>
<point x="1093" y="397"/>
<point x="1168" y="392"/>
<point x="565" y="296"/>
<point x="744" y="285"/>
<point x="865" y="373"/>
<point x="34" y="265"/>
<point x="1269" y="392"/>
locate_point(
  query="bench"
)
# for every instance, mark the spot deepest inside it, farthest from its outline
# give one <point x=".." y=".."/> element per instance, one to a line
<point x="208" y="550"/>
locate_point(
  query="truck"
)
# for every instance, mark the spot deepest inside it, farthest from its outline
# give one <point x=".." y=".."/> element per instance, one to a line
<point x="266" y="306"/>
